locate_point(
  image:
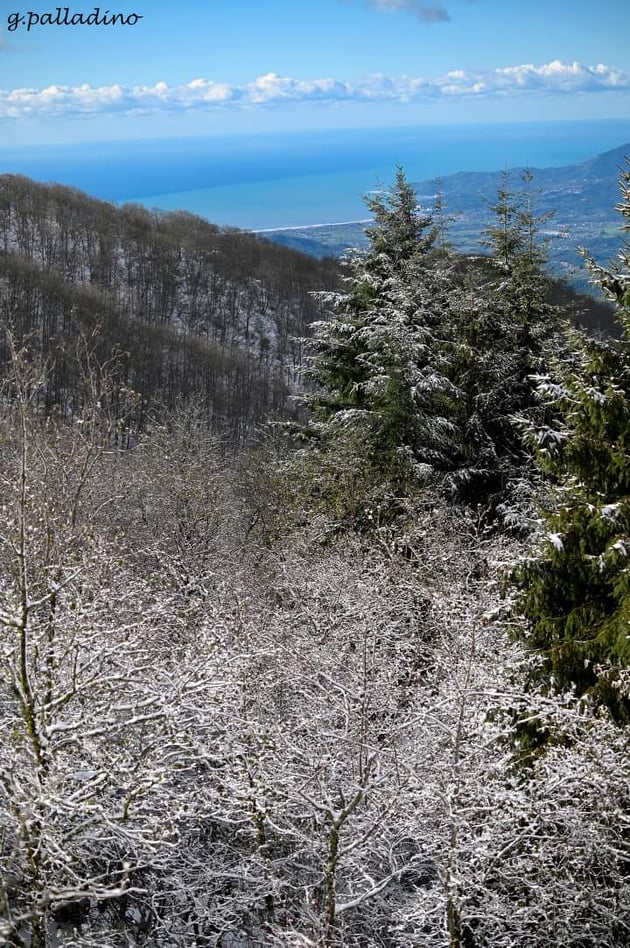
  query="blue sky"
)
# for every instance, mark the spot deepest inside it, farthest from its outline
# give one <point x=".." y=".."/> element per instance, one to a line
<point x="214" y="66"/>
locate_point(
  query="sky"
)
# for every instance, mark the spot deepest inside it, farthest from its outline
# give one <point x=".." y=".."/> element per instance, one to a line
<point x="203" y="67"/>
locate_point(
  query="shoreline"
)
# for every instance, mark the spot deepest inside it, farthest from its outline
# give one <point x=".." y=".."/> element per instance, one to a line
<point x="272" y="230"/>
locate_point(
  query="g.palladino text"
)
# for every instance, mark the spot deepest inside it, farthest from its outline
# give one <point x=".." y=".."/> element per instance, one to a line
<point x="63" y="16"/>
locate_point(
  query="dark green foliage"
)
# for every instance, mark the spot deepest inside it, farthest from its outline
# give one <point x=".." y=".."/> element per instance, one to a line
<point x="506" y="324"/>
<point x="379" y="365"/>
<point x="576" y="590"/>
<point x="421" y="371"/>
<point x="400" y="232"/>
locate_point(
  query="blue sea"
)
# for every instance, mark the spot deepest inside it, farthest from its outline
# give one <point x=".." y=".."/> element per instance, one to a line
<point x="275" y="180"/>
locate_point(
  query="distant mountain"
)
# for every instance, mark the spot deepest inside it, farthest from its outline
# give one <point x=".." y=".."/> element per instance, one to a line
<point x="582" y="198"/>
<point x="585" y="189"/>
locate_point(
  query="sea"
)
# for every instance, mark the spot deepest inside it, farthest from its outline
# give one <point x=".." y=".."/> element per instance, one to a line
<point x="268" y="181"/>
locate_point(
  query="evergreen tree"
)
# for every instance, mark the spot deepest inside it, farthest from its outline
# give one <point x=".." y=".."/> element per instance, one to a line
<point x="575" y="591"/>
<point x="504" y="330"/>
<point x="380" y="364"/>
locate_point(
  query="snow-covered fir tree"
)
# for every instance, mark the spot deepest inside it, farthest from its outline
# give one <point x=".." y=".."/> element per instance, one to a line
<point x="379" y="366"/>
<point x="504" y="328"/>
<point x="576" y="588"/>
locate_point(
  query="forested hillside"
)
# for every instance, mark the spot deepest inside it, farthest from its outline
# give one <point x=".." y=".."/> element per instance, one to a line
<point x="188" y="310"/>
<point x="361" y="680"/>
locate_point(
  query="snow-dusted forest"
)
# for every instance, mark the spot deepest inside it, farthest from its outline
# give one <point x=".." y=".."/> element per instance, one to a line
<point x="356" y="678"/>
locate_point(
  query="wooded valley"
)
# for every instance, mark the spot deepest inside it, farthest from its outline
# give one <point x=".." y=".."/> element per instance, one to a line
<point x="314" y="585"/>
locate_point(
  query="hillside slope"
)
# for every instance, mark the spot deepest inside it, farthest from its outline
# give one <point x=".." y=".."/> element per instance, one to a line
<point x="192" y="311"/>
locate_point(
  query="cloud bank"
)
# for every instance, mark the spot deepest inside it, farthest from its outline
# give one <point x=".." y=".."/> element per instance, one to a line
<point x="272" y="90"/>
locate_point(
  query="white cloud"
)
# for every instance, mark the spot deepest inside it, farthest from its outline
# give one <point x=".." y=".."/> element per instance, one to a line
<point x="561" y="77"/>
<point x="273" y="90"/>
<point x="58" y="100"/>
